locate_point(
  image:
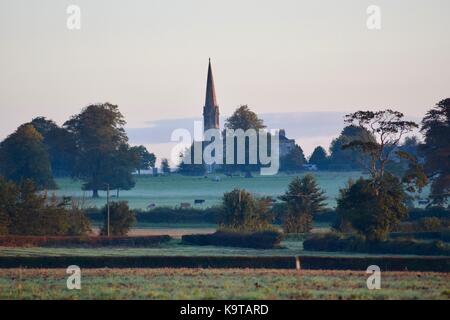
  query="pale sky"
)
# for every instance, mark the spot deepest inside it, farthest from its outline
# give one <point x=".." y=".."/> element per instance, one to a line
<point x="150" y="57"/>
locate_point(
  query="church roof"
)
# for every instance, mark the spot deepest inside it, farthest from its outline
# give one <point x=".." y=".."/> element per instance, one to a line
<point x="210" y="100"/>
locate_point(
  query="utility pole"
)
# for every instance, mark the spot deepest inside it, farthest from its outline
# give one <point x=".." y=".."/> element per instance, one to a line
<point x="107" y="206"/>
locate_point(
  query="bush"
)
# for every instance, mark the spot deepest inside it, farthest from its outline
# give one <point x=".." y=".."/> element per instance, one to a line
<point x="335" y="242"/>
<point x="121" y="219"/>
<point x="372" y="207"/>
<point x="258" y="240"/>
<point x="23" y="211"/>
<point x="243" y="213"/>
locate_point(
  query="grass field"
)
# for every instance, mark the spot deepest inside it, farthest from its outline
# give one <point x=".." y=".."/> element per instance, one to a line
<point x="173" y="189"/>
<point x="220" y="284"/>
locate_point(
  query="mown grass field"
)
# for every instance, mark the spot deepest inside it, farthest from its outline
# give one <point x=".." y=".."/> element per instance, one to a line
<point x="173" y="189"/>
<point x="220" y="284"/>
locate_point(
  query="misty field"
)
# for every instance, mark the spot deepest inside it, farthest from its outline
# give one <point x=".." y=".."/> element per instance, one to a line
<point x="220" y="284"/>
<point x="173" y="189"/>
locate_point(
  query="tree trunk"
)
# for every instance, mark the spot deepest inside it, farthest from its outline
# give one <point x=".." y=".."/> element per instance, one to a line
<point x="118" y="193"/>
<point x="95" y="193"/>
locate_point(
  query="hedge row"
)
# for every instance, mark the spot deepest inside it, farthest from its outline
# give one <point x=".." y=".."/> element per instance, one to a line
<point x="42" y="241"/>
<point x="212" y="214"/>
<point x="168" y="215"/>
<point x="428" y="235"/>
<point x="334" y="243"/>
<point x="257" y="240"/>
<point x="436" y="264"/>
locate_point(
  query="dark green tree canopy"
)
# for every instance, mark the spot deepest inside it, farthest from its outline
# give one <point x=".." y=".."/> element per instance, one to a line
<point x="347" y="159"/>
<point x="304" y="199"/>
<point x="121" y="219"/>
<point x="23" y="156"/>
<point x="436" y="149"/>
<point x="103" y="154"/>
<point x="243" y="118"/>
<point x="373" y="209"/>
<point x="60" y="144"/>
<point x="387" y="127"/>
<point x="242" y="212"/>
<point x="146" y="160"/>
<point x="319" y="158"/>
<point x="294" y="160"/>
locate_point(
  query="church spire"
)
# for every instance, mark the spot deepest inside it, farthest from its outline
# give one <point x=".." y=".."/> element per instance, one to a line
<point x="211" y="109"/>
<point x="210" y="100"/>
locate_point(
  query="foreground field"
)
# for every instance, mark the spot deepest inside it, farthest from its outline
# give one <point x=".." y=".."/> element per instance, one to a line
<point x="174" y="189"/>
<point x="220" y="284"/>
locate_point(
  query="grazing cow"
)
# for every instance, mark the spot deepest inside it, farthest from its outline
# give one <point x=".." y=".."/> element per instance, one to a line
<point x="185" y="205"/>
<point x="199" y="201"/>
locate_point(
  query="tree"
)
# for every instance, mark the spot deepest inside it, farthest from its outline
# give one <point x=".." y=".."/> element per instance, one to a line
<point x="165" y="167"/>
<point x="376" y="205"/>
<point x="349" y="159"/>
<point x="304" y="199"/>
<point x="24" y="156"/>
<point x="60" y="144"/>
<point x="319" y="158"/>
<point x="146" y="159"/>
<point x="99" y="137"/>
<point x="436" y="149"/>
<point x="243" y="118"/>
<point x="121" y="219"/>
<point x="27" y="212"/>
<point x="388" y="127"/>
<point x="294" y="160"/>
<point x="121" y="165"/>
<point x="8" y="197"/>
<point x="372" y="210"/>
<point x="242" y="212"/>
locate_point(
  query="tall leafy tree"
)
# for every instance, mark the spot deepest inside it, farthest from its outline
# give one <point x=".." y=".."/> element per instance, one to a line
<point x="372" y="210"/>
<point x="374" y="206"/>
<point x="146" y="160"/>
<point x="60" y="144"/>
<point x="120" y="166"/>
<point x="436" y="128"/>
<point x="319" y="158"/>
<point x="387" y="127"/>
<point x="23" y="156"/>
<point x="294" y="160"/>
<point x="99" y="136"/>
<point x="242" y="118"/>
<point x="349" y="159"/>
<point x="304" y="199"/>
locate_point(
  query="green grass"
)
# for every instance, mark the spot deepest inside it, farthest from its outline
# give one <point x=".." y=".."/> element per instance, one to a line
<point x="174" y="189"/>
<point x="219" y="284"/>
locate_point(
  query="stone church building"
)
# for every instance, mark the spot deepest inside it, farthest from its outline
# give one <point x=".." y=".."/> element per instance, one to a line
<point x="211" y="115"/>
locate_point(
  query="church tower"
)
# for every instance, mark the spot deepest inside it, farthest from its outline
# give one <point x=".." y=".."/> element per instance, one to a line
<point x="211" y="108"/>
